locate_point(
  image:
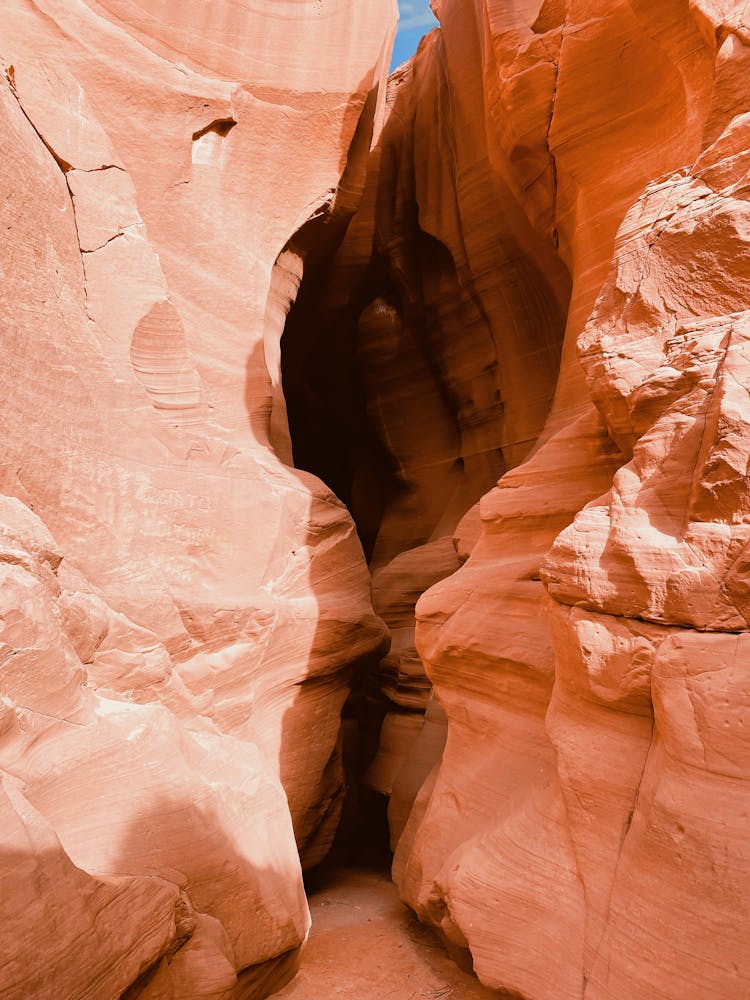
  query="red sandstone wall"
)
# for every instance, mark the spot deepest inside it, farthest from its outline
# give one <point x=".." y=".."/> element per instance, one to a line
<point x="179" y="611"/>
<point x="582" y="835"/>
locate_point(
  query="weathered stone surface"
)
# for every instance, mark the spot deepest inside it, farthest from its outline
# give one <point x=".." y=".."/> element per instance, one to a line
<point x="48" y="906"/>
<point x="568" y="829"/>
<point x="400" y="765"/>
<point x="181" y="609"/>
<point x="514" y="300"/>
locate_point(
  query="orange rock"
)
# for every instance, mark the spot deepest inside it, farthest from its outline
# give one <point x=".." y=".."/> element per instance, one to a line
<point x="564" y="821"/>
<point x="202" y="605"/>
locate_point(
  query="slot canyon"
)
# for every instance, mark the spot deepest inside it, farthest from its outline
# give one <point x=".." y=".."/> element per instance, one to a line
<point x="374" y="501"/>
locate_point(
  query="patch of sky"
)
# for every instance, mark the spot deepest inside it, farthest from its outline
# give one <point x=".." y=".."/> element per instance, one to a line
<point x="416" y="19"/>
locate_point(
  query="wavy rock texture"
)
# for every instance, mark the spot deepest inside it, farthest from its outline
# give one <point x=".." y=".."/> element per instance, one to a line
<point x="456" y="307"/>
<point x="181" y="610"/>
<point x="514" y="296"/>
<point x="582" y="835"/>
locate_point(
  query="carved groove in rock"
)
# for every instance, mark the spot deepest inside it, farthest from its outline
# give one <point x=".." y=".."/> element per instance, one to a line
<point x="374" y="444"/>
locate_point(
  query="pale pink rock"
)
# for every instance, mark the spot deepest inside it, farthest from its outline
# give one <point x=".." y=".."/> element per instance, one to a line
<point x="202" y="604"/>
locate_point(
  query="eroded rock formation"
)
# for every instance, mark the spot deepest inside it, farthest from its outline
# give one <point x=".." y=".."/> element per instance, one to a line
<point x="503" y="315"/>
<point x="582" y="835"/>
<point x="181" y="611"/>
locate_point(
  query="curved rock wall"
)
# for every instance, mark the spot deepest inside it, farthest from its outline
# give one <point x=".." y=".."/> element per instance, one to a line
<point x="582" y="835"/>
<point x="456" y="306"/>
<point x="180" y="610"/>
<point x="532" y="290"/>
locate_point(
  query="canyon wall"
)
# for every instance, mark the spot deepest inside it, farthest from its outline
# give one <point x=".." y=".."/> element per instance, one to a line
<point x="582" y="834"/>
<point x="501" y="310"/>
<point x="181" y="611"/>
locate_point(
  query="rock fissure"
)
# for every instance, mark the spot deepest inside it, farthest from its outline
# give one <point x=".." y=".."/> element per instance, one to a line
<point x="317" y="553"/>
<point x="591" y="980"/>
<point x="117" y="235"/>
<point x="65" y="169"/>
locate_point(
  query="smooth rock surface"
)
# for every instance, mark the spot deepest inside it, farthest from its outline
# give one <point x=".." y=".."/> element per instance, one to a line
<point x="178" y="607"/>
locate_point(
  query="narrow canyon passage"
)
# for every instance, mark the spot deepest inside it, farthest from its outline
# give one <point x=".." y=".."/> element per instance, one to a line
<point x="374" y="500"/>
<point x="403" y="339"/>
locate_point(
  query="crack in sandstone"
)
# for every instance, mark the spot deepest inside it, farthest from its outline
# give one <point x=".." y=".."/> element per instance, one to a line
<point x="65" y="168"/>
<point x="624" y="836"/>
<point x="701" y="453"/>
<point x="557" y="64"/>
<point x="116" y="236"/>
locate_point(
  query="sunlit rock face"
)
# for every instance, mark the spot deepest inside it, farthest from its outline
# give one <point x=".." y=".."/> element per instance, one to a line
<point x="180" y="611"/>
<point x="583" y="835"/>
<point x="501" y="310"/>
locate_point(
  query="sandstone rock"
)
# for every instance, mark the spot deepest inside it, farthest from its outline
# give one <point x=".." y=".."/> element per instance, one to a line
<point x="560" y="796"/>
<point x="48" y="906"/>
<point x="396" y="589"/>
<point x="202" y="605"/>
<point x="513" y="293"/>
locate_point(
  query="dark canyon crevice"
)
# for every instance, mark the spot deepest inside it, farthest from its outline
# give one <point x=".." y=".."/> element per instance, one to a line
<point x="408" y="421"/>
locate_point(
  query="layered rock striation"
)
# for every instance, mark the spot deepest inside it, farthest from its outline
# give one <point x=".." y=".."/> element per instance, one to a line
<point x="581" y="836"/>
<point x="502" y="312"/>
<point x="181" y="610"/>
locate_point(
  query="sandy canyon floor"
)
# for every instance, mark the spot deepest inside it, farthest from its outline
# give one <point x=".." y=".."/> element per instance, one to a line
<point x="365" y="945"/>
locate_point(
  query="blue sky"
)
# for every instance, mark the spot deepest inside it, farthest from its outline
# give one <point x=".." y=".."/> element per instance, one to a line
<point x="416" y="20"/>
